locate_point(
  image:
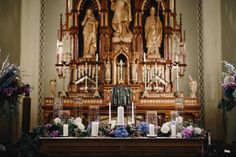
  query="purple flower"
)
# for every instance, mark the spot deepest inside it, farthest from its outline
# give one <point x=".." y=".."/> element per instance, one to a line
<point x="48" y="126"/>
<point x="186" y="133"/>
<point x="120" y="131"/>
<point x="143" y="127"/>
<point x="54" y="133"/>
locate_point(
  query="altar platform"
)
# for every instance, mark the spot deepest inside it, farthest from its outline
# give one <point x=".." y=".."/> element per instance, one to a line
<point x="107" y="146"/>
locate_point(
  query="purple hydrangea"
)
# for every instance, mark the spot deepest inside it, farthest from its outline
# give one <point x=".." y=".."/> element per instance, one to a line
<point x="48" y="126"/>
<point x="54" y="133"/>
<point x="120" y="131"/>
<point x="186" y="133"/>
<point x="143" y="127"/>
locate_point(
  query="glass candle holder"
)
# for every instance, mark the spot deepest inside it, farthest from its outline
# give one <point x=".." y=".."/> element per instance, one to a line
<point x="152" y="122"/>
<point x="58" y="105"/>
<point x="93" y="114"/>
<point x="77" y="108"/>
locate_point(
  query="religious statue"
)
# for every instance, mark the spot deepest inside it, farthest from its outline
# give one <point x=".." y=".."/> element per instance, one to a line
<point x="121" y="72"/>
<point x="192" y="86"/>
<point x="134" y="71"/>
<point x="53" y="87"/>
<point x="108" y="72"/>
<point x="153" y="34"/>
<point x="121" y="19"/>
<point x="90" y="26"/>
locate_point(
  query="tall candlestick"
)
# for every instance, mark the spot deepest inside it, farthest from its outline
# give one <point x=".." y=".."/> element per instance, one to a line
<point x="109" y="112"/>
<point x="65" y="130"/>
<point x="120" y="115"/>
<point x="132" y="113"/>
<point x="151" y="130"/>
<point x="95" y="126"/>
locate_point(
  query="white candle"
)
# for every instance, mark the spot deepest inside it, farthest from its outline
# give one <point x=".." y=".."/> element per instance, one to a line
<point x="109" y="112"/>
<point x="120" y="115"/>
<point x="144" y="57"/>
<point x="96" y="57"/>
<point x="95" y="126"/>
<point x="132" y="112"/>
<point x="173" y="130"/>
<point x="151" y="129"/>
<point x="86" y="68"/>
<point x="209" y="138"/>
<point x="177" y="78"/>
<point x="65" y="130"/>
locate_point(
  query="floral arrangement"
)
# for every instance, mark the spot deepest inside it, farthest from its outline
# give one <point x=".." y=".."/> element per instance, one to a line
<point x="11" y="88"/>
<point x="28" y="144"/>
<point x="229" y="86"/>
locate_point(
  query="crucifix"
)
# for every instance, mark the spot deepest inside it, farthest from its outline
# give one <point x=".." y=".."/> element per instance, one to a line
<point x="120" y="71"/>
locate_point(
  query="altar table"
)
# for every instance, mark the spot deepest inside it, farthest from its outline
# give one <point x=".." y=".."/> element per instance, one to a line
<point x="107" y="146"/>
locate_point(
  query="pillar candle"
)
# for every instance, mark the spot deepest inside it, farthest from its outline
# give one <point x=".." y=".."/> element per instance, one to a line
<point x="109" y="112"/>
<point x="173" y="129"/>
<point x="95" y="126"/>
<point x="151" y="129"/>
<point x="120" y="115"/>
<point x="65" y="130"/>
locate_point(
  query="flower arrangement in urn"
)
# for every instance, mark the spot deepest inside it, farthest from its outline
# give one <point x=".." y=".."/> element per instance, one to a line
<point x="229" y="86"/>
<point x="11" y="88"/>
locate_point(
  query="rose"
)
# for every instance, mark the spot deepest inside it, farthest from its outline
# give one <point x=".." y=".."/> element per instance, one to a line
<point x="165" y="129"/>
<point x="80" y="126"/>
<point x="197" y="131"/>
<point x="78" y="120"/>
<point x="57" y="121"/>
<point x="167" y="124"/>
<point x="113" y="124"/>
<point x="190" y="128"/>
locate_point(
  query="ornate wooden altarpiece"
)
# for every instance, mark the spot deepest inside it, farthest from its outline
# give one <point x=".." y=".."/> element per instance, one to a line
<point x="137" y="44"/>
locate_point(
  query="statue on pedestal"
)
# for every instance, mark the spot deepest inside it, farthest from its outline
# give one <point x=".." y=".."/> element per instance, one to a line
<point x="121" y="20"/>
<point x="134" y="71"/>
<point x="108" y="72"/>
<point x="90" y="26"/>
<point x="53" y="87"/>
<point x="192" y="86"/>
<point x="153" y="34"/>
<point x="120" y="72"/>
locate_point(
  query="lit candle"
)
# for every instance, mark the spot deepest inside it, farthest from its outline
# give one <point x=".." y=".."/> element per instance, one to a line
<point x="120" y="115"/>
<point x="86" y="68"/>
<point x="151" y="130"/>
<point x="95" y="126"/>
<point x="173" y="129"/>
<point x="109" y="112"/>
<point x="65" y="130"/>
<point x="132" y="113"/>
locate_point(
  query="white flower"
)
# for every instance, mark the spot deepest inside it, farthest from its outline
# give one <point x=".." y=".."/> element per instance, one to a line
<point x="179" y="135"/>
<point x="190" y="128"/>
<point x="167" y="124"/>
<point x="57" y="121"/>
<point x="197" y="131"/>
<point x="113" y="124"/>
<point x="165" y="129"/>
<point x="80" y="126"/>
<point x="228" y="79"/>
<point x="78" y="120"/>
